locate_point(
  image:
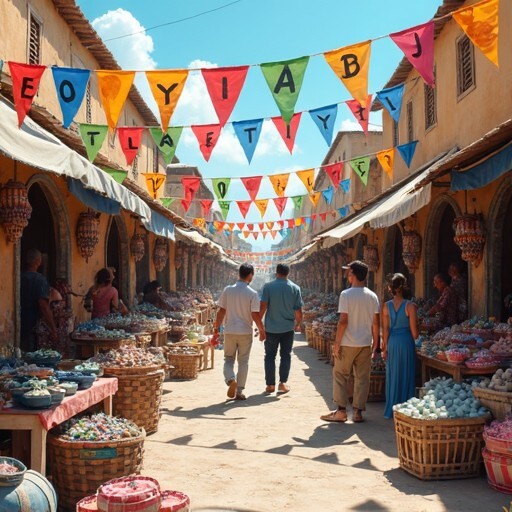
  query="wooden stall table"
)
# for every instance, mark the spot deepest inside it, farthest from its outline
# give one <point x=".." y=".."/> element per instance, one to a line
<point x="456" y="371"/>
<point x="39" y="421"/>
<point x="98" y="344"/>
<point x="159" y="338"/>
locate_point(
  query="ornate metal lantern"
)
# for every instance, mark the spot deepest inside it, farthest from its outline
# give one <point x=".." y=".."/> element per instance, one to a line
<point x="88" y="233"/>
<point x="160" y="254"/>
<point x="371" y="257"/>
<point x="138" y="246"/>
<point x="15" y="210"/>
<point x="411" y="249"/>
<point x="470" y="237"/>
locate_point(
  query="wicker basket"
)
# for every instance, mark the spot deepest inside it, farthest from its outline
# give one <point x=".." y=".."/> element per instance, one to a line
<point x="440" y="449"/>
<point x="498" y="402"/>
<point x="186" y="366"/>
<point x="377" y="391"/>
<point x="142" y="340"/>
<point x="138" y="398"/>
<point x="79" y="468"/>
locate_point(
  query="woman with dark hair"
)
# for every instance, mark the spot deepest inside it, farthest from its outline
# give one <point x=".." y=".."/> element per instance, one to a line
<point x="399" y="330"/>
<point x="105" y="298"/>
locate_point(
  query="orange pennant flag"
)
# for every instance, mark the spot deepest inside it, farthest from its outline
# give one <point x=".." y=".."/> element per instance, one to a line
<point x="240" y="225"/>
<point x="480" y="23"/>
<point x="166" y="87"/>
<point x="273" y="234"/>
<point x="154" y="181"/>
<point x="269" y="225"/>
<point x="308" y="178"/>
<point x="298" y="221"/>
<point x="279" y="182"/>
<point x="218" y="225"/>
<point x="200" y="223"/>
<point x="262" y="205"/>
<point x="114" y="87"/>
<point x="246" y="233"/>
<point x="351" y="65"/>
<point x="315" y="196"/>
<point x="386" y="159"/>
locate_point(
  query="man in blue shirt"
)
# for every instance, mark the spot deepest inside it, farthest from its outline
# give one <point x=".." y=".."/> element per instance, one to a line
<point x="281" y="303"/>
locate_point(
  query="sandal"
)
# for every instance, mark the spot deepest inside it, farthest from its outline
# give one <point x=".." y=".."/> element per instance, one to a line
<point x="357" y="417"/>
<point x="337" y="416"/>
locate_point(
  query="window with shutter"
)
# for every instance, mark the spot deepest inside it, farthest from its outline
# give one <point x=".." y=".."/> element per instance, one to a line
<point x="34" y="40"/>
<point x="155" y="158"/>
<point x="430" y="106"/>
<point x="410" y="122"/>
<point x="465" y="66"/>
<point x="395" y="133"/>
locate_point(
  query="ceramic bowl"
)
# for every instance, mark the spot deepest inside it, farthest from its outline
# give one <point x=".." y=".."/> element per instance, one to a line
<point x="36" y="402"/>
<point x="70" y="387"/>
<point x="12" y="479"/>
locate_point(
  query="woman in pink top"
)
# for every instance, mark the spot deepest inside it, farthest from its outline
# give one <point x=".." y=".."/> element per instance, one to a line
<point x="105" y="298"/>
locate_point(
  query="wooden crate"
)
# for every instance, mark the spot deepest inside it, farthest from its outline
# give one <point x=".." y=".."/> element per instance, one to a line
<point x="377" y="391"/>
<point x="440" y="449"/>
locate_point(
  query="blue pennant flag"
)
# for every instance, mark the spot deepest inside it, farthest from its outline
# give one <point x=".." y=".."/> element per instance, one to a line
<point x="328" y="194"/>
<point x="70" y="84"/>
<point x="407" y="151"/>
<point x="343" y="211"/>
<point x="345" y="186"/>
<point x="284" y="233"/>
<point x="324" y="118"/>
<point x="211" y="228"/>
<point x="227" y="233"/>
<point x="391" y="99"/>
<point x="248" y="133"/>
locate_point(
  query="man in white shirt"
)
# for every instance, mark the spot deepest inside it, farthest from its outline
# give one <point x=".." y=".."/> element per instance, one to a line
<point x="357" y="336"/>
<point x="239" y="307"/>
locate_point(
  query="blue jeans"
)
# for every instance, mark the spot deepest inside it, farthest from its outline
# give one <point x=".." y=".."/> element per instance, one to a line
<point x="272" y="343"/>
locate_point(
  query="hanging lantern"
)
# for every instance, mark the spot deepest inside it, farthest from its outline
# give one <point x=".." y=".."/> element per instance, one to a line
<point x="160" y="254"/>
<point x="88" y="233"/>
<point x="137" y="246"/>
<point x="15" y="210"/>
<point x="371" y="257"/>
<point x="470" y="237"/>
<point x="411" y="249"/>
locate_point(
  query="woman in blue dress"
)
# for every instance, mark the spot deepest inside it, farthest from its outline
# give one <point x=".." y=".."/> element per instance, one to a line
<point x="399" y="330"/>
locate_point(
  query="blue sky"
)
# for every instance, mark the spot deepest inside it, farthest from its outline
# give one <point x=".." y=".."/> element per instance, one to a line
<point x="253" y="32"/>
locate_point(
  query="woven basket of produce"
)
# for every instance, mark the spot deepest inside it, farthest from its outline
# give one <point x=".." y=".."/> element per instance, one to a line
<point x="498" y="402"/>
<point x="142" y="340"/>
<point x="185" y="366"/>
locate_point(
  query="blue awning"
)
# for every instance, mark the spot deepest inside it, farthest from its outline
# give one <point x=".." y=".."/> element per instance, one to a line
<point x="93" y="199"/>
<point x="161" y="225"/>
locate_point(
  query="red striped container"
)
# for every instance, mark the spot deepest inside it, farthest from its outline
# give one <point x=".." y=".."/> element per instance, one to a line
<point x="130" y="494"/>
<point x="88" y="504"/>
<point x="174" y="501"/>
<point x="497" y="445"/>
<point x="499" y="470"/>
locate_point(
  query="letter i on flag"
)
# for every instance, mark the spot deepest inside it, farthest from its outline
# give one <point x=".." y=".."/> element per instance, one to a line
<point x="391" y="98"/>
<point x="70" y="85"/>
<point x="114" y="87"/>
<point x="361" y="113"/>
<point x="288" y="131"/>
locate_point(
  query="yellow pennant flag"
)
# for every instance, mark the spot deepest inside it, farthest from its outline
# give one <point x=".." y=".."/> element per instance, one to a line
<point x="351" y="65"/>
<point x="298" y="221"/>
<point x="386" y="159"/>
<point x="246" y="233"/>
<point x="315" y="196"/>
<point x="262" y="205"/>
<point x="114" y="87"/>
<point x="269" y="225"/>
<point x="200" y="223"/>
<point x="167" y="87"/>
<point x="279" y="182"/>
<point x="154" y="181"/>
<point x="480" y="23"/>
<point x="308" y="178"/>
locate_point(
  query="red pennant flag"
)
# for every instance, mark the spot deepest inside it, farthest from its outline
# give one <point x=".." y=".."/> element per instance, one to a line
<point x="291" y="223"/>
<point x="323" y="216"/>
<point x="250" y="227"/>
<point x="280" y="203"/>
<point x="186" y="204"/>
<point x="261" y="225"/>
<point x="25" y="82"/>
<point x="130" y="138"/>
<point x="224" y="86"/>
<point x="206" y="204"/>
<point x="280" y="223"/>
<point x="362" y="114"/>
<point x="334" y="172"/>
<point x="313" y="216"/>
<point x="240" y="225"/>
<point x="288" y="131"/>
<point x="273" y="234"/>
<point x="190" y="187"/>
<point x="244" y="207"/>
<point x="252" y="185"/>
<point x="207" y="136"/>
<point x="256" y="235"/>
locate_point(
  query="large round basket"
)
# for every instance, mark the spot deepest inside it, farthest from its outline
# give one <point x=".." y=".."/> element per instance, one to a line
<point x="440" y="449"/>
<point x="138" y="398"/>
<point x="79" y="468"/>
<point x="185" y="366"/>
<point x="498" y="402"/>
<point x="130" y="370"/>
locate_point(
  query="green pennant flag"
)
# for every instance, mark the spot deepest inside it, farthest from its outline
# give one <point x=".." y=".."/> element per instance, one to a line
<point x="221" y="186"/>
<point x="224" y="206"/>
<point x="167" y="201"/>
<point x="167" y="142"/>
<point x="361" y="167"/>
<point x="93" y="136"/>
<point x="285" y="81"/>
<point x="119" y="176"/>
<point x="297" y="202"/>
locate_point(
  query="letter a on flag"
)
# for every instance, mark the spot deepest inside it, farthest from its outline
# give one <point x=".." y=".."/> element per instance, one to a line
<point x="167" y="142"/>
<point x="114" y="87"/>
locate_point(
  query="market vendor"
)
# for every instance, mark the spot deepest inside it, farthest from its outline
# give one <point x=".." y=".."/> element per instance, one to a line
<point x="447" y="304"/>
<point x="154" y="295"/>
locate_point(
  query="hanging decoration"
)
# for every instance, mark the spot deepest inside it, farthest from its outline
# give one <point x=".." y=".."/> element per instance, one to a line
<point x="15" y="209"/>
<point x="371" y="257"/>
<point x="334" y="172"/>
<point x="137" y="245"/>
<point x="221" y="187"/>
<point x="325" y="118"/>
<point x="411" y="249"/>
<point x="114" y="87"/>
<point x="160" y="254"/>
<point x="308" y="178"/>
<point x="130" y="138"/>
<point x="167" y="141"/>
<point x="244" y="207"/>
<point x="280" y="203"/>
<point x="470" y="237"/>
<point x="191" y="185"/>
<point x="88" y="233"/>
<point x="391" y="99"/>
<point x="207" y="136"/>
<point x="154" y="182"/>
<point x="407" y="151"/>
<point x="362" y="114"/>
<point x="248" y="134"/>
<point x="206" y="205"/>
<point x="386" y="159"/>
<point x="93" y="136"/>
<point x="361" y="167"/>
<point x="252" y="185"/>
<point x="288" y="131"/>
<point x="279" y="182"/>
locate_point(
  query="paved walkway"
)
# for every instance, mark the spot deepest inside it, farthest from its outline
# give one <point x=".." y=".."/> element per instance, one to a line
<point x="272" y="453"/>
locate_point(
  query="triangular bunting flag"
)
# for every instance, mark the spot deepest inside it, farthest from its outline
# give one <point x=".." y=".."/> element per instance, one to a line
<point x="334" y="172"/>
<point x="240" y="225"/>
<point x="285" y="81"/>
<point x="314" y="197"/>
<point x="200" y="223"/>
<point x="130" y="138"/>
<point x="324" y="118"/>
<point x="167" y="142"/>
<point x="351" y="65"/>
<point x="218" y="225"/>
<point x="417" y="43"/>
<point x="308" y="178"/>
<point x="25" y="83"/>
<point x="328" y="194"/>
<point x="93" y="136"/>
<point x="70" y="84"/>
<point x="291" y="223"/>
<point x="221" y="186"/>
<point x="224" y="206"/>
<point x="166" y="87"/>
<point x="386" y="159"/>
<point x="224" y="86"/>
<point x="167" y="201"/>
<point x="273" y="234"/>
<point x="185" y="203"/>
<point x="211" y="228"/>
<point x="345" y="186"/>
<point x="270" y="225"/>
<point x="261" y="225"/>
<point x="480" y="23"/>
<point x="298" y="221"/>
<point x="297" y="202"/>
<point x="323" y="216"/>
<point x="206" y="205"/>
<point x="391" y="98"/>
<point x="190" y="186"/>
<point x="250" y="227"/>
<point x="246" y="233"/>
<point x="207" y="136"/>
<point x="407" y="151"/>
<point x="280" y="203"/>
<point x="280" y="223"/>
<point x="252" y="185"/>
<point x="262" y="205"/>
<point x="343" y="211"/>
<point x="256" y="235"/>
<point x="288" y="131"/>
<point x="118" y="175"/>
<point x="248" y="133"/>
<point x="114" y="87"/>
<point x="244" y="207"/>
<point x="362" y="114"/>
<point x="279" y="182"/>
<point x="361" y="167"/>
<point x="154" y="181"/>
